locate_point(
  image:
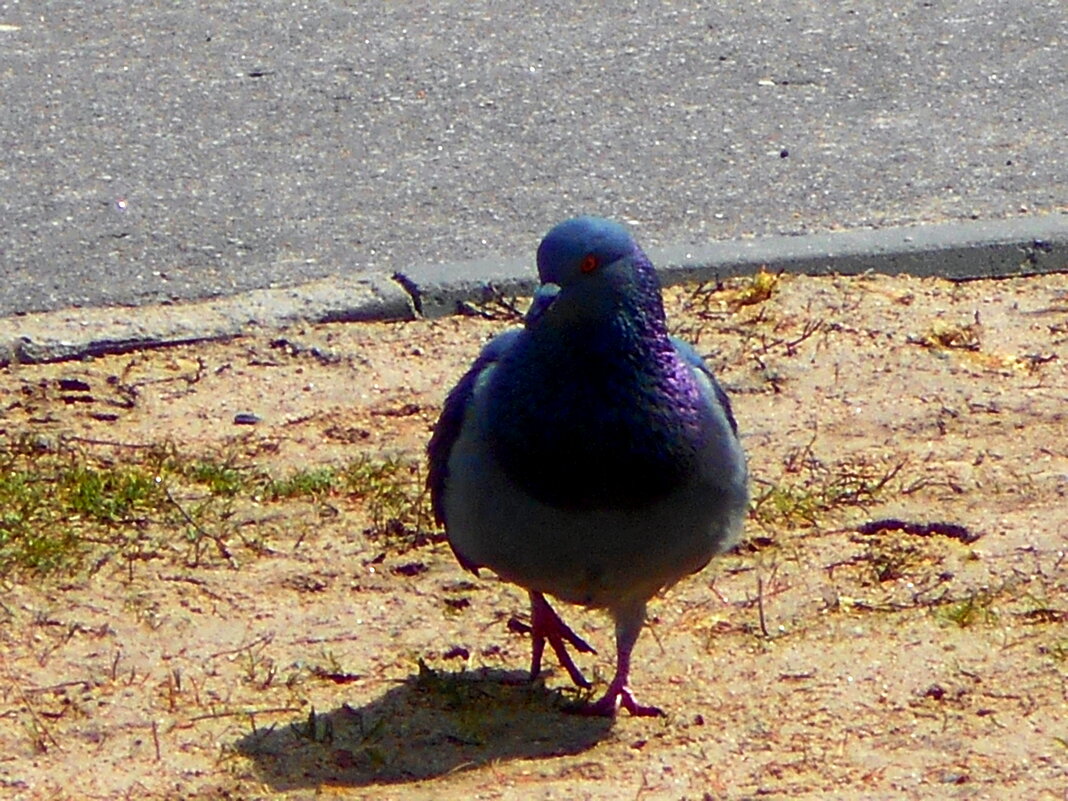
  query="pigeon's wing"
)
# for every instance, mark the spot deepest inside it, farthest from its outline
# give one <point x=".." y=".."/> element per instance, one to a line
<point x="693" y="358"/>
<point x="452" y="419"/>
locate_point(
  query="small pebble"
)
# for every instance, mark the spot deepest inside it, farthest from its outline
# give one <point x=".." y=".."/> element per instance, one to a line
<point x="73" y="385"/>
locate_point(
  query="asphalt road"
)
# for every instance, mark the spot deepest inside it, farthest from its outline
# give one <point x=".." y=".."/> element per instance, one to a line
<point x="160" y="150"/>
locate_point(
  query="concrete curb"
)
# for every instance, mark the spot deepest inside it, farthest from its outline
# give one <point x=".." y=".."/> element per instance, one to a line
<point x="958" y="251"/>
<point x="73" y="333"/>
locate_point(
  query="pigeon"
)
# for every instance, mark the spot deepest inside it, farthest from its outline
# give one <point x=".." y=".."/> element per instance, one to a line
<point x="589" y="455"/>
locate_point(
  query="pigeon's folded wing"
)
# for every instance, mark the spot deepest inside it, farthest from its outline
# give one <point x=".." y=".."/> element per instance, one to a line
<point x="452" y="419"/>
<point x="693" y="358"/>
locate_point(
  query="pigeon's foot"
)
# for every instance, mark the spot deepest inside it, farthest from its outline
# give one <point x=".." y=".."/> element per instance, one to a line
<point x="629" y="619"/>
<point x="619" y="697"/>
<point x="546" y="625"/>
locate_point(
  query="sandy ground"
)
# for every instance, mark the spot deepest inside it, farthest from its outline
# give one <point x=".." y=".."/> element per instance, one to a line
<point x="828" y="657"/>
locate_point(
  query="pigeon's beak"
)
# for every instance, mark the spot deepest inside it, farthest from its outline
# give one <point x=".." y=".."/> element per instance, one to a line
<point x="543" y="299"/>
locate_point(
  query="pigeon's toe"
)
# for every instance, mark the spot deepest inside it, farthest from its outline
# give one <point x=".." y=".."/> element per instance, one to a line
<point x="546" y="626"/>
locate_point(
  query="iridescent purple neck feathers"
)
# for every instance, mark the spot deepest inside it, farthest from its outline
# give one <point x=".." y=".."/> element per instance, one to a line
<point x="593" y="407"/>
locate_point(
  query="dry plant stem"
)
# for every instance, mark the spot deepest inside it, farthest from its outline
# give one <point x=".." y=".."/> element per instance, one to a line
<point x="271" y="710"/>
<point x="760" y="607"/>
<point x="264" y="639"/>
<point x="26" y="703"/>
<point x="223" y="549"/>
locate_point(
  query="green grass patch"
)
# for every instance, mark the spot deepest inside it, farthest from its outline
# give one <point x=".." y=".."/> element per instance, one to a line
<point x="811" y="488"/>
<point x="221" y="477"/>
<point x="64" y="506"/>
<point x="313" y="483"/>
<point x="976" y="609"/>
<point x="396" y="498"/>
<point x="109" y="495"/>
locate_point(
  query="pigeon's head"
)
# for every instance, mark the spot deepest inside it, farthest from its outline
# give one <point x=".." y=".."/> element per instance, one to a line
<point x="582" y="248"/>
<point x="592" y="270"/>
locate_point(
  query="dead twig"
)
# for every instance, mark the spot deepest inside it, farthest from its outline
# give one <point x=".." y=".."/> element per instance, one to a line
<point x="951" y="530"/>
<point x="263" y="639"/>
<point x="220" y="544"/>
<point x="196" y="582"/>
<point x="271" y="710"/>
<point x="760" y="607"/>
<point x="810" y="328"/>
<point x="45" y="731"/>
<point x="108" y="442"/>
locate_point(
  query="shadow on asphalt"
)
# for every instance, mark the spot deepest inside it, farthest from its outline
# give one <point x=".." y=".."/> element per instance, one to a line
<point x="429" y="725"/>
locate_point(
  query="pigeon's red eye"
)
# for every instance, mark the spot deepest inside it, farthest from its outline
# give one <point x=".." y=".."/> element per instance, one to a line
<point x="589" y="264"/>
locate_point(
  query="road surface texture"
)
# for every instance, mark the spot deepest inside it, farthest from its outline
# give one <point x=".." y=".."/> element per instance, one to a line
<point x="158" y="151"/>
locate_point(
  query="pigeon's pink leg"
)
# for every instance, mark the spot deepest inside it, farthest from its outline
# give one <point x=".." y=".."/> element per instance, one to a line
<point x="547" y="625"/>
<point x="628" y="627"/>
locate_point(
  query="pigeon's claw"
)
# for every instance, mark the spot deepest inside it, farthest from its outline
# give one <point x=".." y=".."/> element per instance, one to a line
<point x="546" y="626"/>
<point x="629" y="618"/>
<point x="619" y="697"/>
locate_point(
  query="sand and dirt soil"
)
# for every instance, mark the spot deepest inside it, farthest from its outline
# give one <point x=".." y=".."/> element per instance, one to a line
<point x="895" y="624"/>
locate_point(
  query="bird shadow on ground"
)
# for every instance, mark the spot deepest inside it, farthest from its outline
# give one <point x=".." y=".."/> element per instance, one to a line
<point x="429" y="725"/>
